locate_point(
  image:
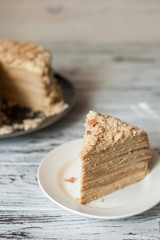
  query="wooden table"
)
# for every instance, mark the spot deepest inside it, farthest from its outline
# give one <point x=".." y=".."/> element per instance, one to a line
<point x="121" y="79"/>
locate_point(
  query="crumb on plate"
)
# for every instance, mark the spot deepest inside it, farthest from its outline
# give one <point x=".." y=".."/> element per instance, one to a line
<point x="101" y="199"/>
<point x="71" y="179"/>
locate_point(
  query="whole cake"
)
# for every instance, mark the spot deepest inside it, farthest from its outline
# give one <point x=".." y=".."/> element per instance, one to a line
<point x="27" y="80"/>
<point x="114" y="155"/>
<point x="26" y="77"/>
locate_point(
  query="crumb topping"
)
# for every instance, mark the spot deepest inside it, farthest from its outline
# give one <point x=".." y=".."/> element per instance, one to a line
<point x="25" y="55"/>
<point x="104" y="130"/>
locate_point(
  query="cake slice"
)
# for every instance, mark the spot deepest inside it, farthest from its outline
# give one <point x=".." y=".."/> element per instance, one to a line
<point x="27" y="79"/>
<point x="114" y="155"/>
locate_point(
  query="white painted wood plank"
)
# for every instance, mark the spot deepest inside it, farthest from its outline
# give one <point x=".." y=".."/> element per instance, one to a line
<point x="62" y="225"/>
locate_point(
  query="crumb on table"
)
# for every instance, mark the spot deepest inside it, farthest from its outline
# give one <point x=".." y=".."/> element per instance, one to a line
<point x="71" y="179"/>
<point x="101" y="199"/>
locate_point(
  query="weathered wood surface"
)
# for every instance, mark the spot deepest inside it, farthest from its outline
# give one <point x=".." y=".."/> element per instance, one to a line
<point x="123" y="80"/>
<point x="81" y="21"/>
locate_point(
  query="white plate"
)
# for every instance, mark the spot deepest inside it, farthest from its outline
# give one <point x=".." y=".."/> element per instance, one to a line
<point x="63" y="162"/>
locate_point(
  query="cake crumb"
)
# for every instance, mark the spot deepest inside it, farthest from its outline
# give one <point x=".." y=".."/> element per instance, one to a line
<point x="71" y="179"/>
<point x="92" y="122"/>
<point x="88" y="132"/>
<point x="102" y="200"/>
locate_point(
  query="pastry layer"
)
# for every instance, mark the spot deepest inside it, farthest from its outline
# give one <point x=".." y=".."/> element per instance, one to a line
<point x="123" y="181"/>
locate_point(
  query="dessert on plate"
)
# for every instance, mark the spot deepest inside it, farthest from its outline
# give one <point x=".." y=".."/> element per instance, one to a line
<point x="114" y="155"/>
<point x="27" y="78"/>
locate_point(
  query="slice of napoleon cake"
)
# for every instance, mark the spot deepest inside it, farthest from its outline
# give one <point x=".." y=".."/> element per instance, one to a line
<point x="114" y="155"/>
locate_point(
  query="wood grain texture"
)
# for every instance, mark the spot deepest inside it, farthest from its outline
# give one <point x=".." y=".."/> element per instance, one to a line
<point x="122" y="80"/>
<point x="95" y="21"/>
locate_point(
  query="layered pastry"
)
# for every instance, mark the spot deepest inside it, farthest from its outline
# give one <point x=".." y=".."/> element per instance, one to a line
<point x="27" y="79"/>
<point x="114" y="155"/>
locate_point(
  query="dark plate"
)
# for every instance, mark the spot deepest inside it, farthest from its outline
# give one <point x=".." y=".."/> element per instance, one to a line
<point x="69" y="97"/>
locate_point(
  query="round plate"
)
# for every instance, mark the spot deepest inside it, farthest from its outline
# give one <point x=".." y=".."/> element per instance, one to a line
<point x="63" y="163"/>
<point x="69" y="97"/>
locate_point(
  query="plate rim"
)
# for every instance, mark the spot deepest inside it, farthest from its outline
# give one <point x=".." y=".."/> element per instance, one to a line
<point x="82" y="213"/>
